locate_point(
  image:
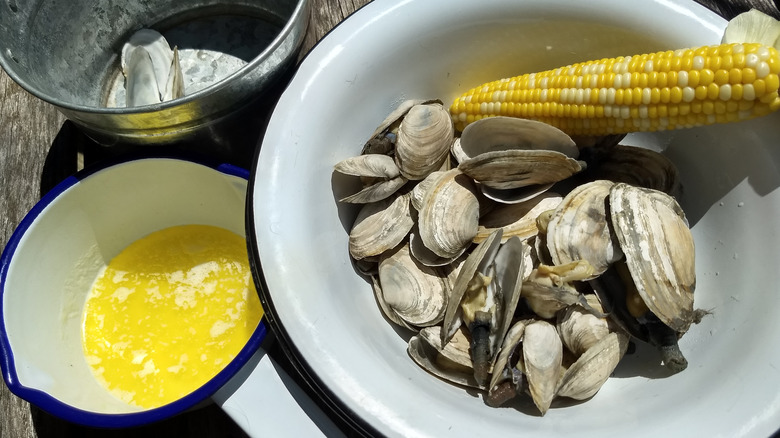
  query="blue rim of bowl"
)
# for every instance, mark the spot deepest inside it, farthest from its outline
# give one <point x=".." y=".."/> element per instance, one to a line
<point x="64" y="411"/>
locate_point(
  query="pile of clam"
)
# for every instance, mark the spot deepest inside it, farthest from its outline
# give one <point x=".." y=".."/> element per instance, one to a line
<point x="523" y="261"/>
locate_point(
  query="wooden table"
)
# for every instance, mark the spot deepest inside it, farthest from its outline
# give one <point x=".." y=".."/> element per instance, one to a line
<point x="28" y="128"/>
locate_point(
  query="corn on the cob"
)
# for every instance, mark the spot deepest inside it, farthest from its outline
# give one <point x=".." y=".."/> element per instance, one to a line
<point x="657" y="91"/>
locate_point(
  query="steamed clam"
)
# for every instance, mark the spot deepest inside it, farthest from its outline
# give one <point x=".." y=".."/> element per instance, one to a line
<point x="381" y="177"/>
<point x="424" y="138"/>
<point x="414" y="292"/>
<point x="450" y="195"/>
<point x="151" y="69"/>
<point x="484" y="298"/>
<point x="515" y="159"/>
<point x="519" y="274"/>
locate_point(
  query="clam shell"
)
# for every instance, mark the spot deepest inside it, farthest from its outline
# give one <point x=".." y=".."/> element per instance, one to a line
<point x="579" y="328"/>
<point x="152" y="71"/>
<point x="387" y="311"/>
<point x="424" y="139"/>
<point x="422" y="187"/>
<point x="504" y="133"/>
<point x="456" y="350"/>
<point x="659" y="249"/>
<point x="637" y="166"/>
<point x="516" y="168"/>
<point x="478" y="260"/>
<point x="513" y="338"/>
<point x="504" y="265"/>
<point x="380" y="226"/>
<point x="415" y="292"/>
<point x="497" y="135"/>
<point x="516" y="219"/>
<point x="585" y="377"/>
<point x="449" y="216"/>
<point x="510" y="270"/>
<point x="548" y="289"/>
<point x="429" y="359"/>
<point x="579" y="228"/>
<point x="396" y="115"/>
<point x="373" y="165"/>
<point x="542" y="358"/>
<point x="377" y="167"/>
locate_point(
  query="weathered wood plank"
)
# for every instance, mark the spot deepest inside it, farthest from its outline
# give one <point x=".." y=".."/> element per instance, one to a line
<point x="27" y="128"/>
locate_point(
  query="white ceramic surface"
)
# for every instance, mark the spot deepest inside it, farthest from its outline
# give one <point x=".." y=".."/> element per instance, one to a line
<point x="265" y="402"/>
<point x="390" y="51"/>
<point x="59" y="249"/>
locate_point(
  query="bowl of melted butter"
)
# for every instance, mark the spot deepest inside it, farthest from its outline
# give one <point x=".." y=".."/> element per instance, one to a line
<point x="127" y="295"/>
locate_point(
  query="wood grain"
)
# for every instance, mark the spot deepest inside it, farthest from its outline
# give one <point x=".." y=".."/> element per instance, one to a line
<point x="28" y="128"/>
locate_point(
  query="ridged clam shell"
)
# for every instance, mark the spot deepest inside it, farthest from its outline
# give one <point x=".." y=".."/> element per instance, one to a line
<point x="542" y="357"/>
<point x="579" y="228"/>
<point x="581" y="329"/>
<point x="388" y="312"/>
<point x="429" y="358"/>
<point x="380" y="226"/>
<point x="587" y="375"/>
<point x="456" y="350"/>
<point x="659" y="249"/>
<point x="449" y="216"/>
<point x="415" y="292"/>
<point x="381" y="170"/>
<point x="424" y="139"/>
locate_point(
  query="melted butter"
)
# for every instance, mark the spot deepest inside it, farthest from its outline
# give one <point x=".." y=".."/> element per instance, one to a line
<point x="169" y="312"/>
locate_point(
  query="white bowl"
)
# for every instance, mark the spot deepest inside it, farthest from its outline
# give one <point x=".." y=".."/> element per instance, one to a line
<point x="48" y="267"/>
<point x="390" y="51"/>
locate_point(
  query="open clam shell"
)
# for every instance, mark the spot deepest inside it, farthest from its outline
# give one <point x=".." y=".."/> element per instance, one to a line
<point x="636" y="166"/>
<point x="478" y="260"/>
<point x="485" y="296"/>
<point x="659" y="249"/>
<point x="579" y="328"/>
<point x="381" y="170"/>
<point x="431" y="358"/>
<point x="517" y="168"/>
<point x="587" y="374"/>
<point x="502" y="368"/>
<point x="151" y="68"/>
<point x="516" y="219"/>
<point x="504" y="133"/>
<point x="515" y="159"/>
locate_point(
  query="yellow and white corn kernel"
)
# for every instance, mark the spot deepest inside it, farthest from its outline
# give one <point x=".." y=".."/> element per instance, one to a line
<point x="657" y="91"/>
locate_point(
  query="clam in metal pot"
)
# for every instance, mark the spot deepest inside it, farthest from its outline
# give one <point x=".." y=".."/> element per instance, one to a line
<point x="68" y="54"/>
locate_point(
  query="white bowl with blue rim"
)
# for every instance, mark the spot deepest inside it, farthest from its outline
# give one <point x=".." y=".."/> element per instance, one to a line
<point x="325" y="312"/>
<point x="48" y="266"/>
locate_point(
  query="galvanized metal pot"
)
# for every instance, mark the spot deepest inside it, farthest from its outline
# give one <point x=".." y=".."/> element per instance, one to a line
<point x="67" y="54"/>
